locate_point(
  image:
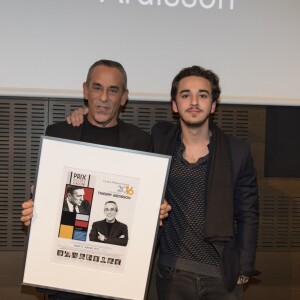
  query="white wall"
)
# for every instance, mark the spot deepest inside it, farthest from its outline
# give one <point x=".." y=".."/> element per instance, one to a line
<point x="47" y="46"/>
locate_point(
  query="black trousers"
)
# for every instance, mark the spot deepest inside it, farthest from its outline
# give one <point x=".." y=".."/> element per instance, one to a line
<point x="174" y="284"/>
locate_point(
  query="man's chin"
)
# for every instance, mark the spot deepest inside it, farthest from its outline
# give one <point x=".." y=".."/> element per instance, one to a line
<point x="110" y="220"/>
<point x="102" y="121"/>
<point x="99" y="120"/>
<point x="105" y="122"/>
<point x="193" y="124"/>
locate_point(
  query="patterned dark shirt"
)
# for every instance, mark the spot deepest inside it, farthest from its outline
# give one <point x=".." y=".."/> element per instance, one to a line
<point x="182" y="235"/>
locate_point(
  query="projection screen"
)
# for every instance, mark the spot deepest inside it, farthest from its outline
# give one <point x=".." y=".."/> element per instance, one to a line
<point x="47" y="46"/>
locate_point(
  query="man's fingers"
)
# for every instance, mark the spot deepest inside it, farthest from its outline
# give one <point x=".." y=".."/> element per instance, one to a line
<point x="27" y="223"/>
<point x="26" y="219"/>
<point x="164" y="210"/>
<point x="76" y="117"/>
<point x="27" y="204"/>
<point x="165" y="206"/>
<point x="27" y="211"/>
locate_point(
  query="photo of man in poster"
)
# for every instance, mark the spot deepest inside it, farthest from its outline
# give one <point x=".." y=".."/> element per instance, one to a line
<point x="75" y="202"/>
<point x="110" y="230"/>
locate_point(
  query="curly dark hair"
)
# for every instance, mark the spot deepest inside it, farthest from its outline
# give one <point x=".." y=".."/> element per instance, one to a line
<point x="200" y="72"/>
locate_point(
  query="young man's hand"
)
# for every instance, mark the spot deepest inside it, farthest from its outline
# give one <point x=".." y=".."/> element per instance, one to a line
<point x="164" y="211"/>
<point x="76" y="117"/>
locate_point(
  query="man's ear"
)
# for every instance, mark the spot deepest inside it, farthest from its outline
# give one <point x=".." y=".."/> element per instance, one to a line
<point x="213" y="107"/>
<point x="85" y="91"/>
<point x="124" y="97"/>
<point x="174" y="106"/>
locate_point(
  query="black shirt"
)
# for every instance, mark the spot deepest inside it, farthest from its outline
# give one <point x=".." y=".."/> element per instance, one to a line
<point x="108" y="136"/>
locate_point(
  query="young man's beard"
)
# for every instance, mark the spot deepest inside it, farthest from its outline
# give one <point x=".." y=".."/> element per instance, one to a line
<point x="195" y="124"/>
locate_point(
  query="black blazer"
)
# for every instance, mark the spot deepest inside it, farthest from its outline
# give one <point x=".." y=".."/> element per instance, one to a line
<point x="113" y="237"/>
<point x="237" y="253"/>
<point x="130" y="136"/>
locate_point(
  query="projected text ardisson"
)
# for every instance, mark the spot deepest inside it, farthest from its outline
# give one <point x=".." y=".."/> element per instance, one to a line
<point x="206" y="4"/>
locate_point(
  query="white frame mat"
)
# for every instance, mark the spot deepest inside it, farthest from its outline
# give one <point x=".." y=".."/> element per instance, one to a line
<point x="60" y="260"/>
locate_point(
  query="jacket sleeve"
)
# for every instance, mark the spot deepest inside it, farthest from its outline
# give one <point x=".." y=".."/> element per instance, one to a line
<point x="162" y="136"/>
<point x="116" y="238"/>
<point x="94" y="233"/>
<point x="246" y="211"/>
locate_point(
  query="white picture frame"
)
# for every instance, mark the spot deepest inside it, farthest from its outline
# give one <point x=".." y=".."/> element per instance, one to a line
<point x="60" y="254"/>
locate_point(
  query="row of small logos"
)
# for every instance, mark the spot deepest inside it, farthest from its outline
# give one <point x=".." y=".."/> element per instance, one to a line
<point x="89" y="257"/>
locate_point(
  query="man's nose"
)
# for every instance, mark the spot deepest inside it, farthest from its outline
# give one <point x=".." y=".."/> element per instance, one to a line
<point x="194" y="100"/>
<point x="104" y="95"/>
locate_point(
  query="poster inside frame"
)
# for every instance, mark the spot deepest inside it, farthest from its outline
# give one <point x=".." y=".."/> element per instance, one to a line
<point x="69" y="248"/>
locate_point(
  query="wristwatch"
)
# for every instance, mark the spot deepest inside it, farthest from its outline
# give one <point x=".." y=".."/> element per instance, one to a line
<point x="243" y="279"/>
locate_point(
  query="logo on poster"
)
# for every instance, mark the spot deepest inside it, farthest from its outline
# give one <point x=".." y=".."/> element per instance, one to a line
<point x="128" y="190"/>
<point x="79" y="179"/>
